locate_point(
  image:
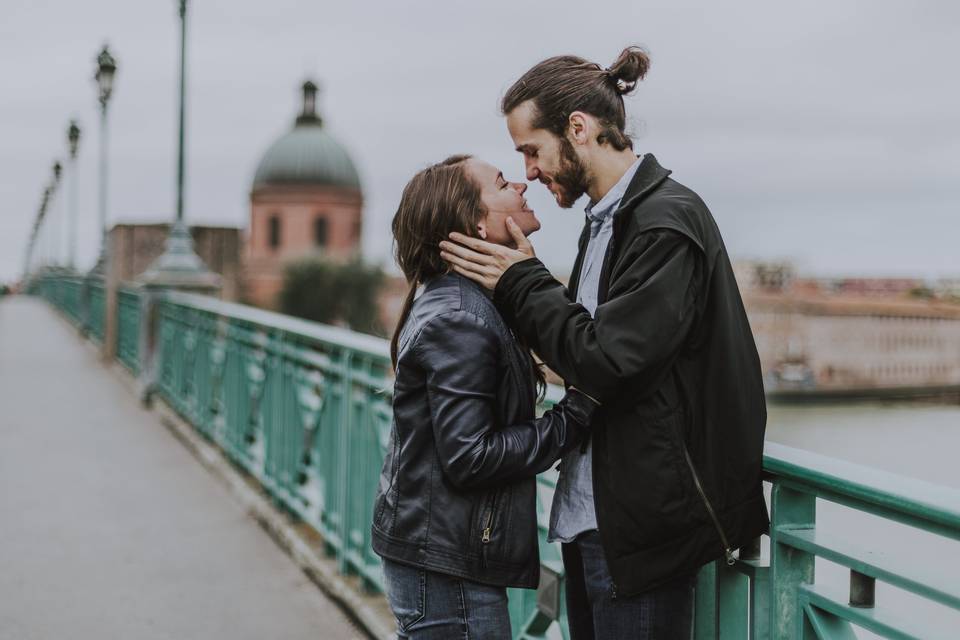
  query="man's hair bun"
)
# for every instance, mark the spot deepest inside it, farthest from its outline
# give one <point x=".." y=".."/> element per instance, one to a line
<point x="630" y="67"/>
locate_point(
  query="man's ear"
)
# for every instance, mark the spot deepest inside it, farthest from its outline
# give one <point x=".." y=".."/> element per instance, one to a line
<point x="578" y="125"/>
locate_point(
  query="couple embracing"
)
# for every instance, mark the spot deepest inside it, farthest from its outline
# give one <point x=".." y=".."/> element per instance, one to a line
<point x="660" y="432"/>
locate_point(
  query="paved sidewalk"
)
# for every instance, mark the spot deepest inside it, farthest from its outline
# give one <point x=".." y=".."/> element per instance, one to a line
<point x="109" y="528"/>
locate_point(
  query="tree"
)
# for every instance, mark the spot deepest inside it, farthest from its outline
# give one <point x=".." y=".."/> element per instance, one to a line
<point x="924" y="293"/>
<point x="330" y="292"/>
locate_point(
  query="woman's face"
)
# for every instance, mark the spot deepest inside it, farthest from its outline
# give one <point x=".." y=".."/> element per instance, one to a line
<point x="502" y="200"/>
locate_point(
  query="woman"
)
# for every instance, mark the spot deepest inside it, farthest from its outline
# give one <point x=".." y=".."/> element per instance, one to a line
<point x="455" y="514"/>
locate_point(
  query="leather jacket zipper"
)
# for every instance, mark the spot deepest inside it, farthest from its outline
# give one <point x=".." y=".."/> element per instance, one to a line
<point x="488" y="519"/>
<point x="727" y="551"/>
<point x="487" y="524"/>
<point x="486" y="528"/>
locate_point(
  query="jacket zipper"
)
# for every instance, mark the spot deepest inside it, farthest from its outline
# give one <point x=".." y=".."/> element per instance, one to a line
<point x="727" y="551"/>
<point x="487" y="528"/>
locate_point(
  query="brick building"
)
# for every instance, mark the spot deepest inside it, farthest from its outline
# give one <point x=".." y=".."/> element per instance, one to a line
<point x="305" y="200"/>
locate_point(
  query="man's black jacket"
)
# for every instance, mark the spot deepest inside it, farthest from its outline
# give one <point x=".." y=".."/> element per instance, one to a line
<point x="678" y="442"/>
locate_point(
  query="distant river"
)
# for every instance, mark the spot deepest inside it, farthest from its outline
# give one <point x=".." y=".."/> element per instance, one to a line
<point x="913" y="440"/>
<point x="916" y="440"/>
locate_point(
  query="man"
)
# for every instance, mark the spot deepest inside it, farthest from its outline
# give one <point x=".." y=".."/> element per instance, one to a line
<point x="653" y="327"/>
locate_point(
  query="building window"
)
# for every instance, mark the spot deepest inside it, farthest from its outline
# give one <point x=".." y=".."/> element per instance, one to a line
<point x="320" y="232"/>
<point x="274" y="231"/>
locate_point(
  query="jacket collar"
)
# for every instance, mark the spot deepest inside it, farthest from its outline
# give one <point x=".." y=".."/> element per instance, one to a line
<point x="648" y="177"/>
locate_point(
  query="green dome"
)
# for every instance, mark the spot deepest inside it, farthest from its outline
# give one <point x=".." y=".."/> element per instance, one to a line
<point x="307" y="154"/>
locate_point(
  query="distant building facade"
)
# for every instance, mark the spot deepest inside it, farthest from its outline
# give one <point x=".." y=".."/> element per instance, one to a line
<point x="305" y="200"/>
<point x="860" y="335"/>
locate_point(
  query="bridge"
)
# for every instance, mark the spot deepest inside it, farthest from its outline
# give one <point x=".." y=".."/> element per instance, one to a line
<point x="146" y="468"/>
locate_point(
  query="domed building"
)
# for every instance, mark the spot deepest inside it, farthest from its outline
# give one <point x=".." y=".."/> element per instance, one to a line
<point x="305" y="200"/>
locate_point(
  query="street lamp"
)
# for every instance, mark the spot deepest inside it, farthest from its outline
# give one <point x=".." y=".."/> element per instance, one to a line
<point x="179" y="266"/>
<point x="73" y="140"/>
<point x="106" y="69"/>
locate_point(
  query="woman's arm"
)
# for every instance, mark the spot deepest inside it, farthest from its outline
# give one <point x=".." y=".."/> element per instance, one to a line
<point x="458" y="352"/>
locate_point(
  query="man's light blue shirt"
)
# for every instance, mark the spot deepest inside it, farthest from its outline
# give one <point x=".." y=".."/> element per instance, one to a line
<point x="573" y="510"/>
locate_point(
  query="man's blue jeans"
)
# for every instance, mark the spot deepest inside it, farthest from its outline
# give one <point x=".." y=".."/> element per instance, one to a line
<point x="595" y="612"/>
<point x="434" y="606"/>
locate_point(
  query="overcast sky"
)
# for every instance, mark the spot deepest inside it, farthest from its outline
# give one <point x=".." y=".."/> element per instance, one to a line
<point x="827" y="133"/>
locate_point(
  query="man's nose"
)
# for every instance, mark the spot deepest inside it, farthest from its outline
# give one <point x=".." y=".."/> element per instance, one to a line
<point x="533" y="171"/>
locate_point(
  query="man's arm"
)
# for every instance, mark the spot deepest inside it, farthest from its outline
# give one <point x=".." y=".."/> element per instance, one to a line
<point x="634" y="336"/>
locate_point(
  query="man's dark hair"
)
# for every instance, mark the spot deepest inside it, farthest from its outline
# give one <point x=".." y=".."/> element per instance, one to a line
<point x="561" y="85"/>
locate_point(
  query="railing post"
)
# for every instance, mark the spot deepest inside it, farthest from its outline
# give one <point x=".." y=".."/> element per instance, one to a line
<point x="85" y="307"/>
<point x="111" y="285"/>
<point x="862" y="590"/>
<point x="705" y="603"/>
<point x="149" y="344"/>
<point x="789" y="567"/>
<point x="759" y="591"/>
<point x="174" y="271"/>
<point x="346" y="433"/>
<point x="733" y="592"/>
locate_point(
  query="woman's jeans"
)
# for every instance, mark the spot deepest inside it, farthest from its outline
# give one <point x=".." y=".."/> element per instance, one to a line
<point x="595" y="612"/>
<point x="434" y="606"/>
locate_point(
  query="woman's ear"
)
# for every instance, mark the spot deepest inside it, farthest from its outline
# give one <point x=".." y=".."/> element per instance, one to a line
<point x="482" y="230"/>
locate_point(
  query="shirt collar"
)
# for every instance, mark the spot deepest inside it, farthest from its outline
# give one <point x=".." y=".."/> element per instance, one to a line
<point x="599" y="210"/>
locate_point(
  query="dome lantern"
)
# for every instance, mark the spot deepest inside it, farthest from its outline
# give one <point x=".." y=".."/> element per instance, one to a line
<point x="308" y="154"/>
<point x="309" y="113"/>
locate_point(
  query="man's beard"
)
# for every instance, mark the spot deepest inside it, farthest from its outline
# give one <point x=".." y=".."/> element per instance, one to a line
<point x="571" y="177"/>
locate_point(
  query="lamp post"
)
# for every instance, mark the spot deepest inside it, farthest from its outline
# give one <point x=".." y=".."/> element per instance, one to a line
<point x="179" y="266"/>
<point x="44" y="228"/>
<point x="106" y="68"/>
<point x="55" y="230"/>
<point x="73" y="140"/>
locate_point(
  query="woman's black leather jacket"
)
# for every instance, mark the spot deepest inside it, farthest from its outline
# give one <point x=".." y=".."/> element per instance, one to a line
<point x="457" y="493"/>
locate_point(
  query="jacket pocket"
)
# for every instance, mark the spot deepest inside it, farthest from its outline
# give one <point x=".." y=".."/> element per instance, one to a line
<point x="387" y="484"/>
<point x="648" y="485"/>
<point x="488" y="520"/>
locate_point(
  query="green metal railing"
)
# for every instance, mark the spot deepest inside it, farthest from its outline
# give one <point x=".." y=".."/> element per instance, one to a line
<point x="305" y="409"/>
<point x="128" y="329"/>
<point x="96" y="309"/>
<point x="70" y="292"/>
<point x="302" y="407"/>
<point x="781" y="598"/>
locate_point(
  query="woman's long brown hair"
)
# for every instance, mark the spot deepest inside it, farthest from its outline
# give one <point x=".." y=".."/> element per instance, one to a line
<point x="437" y="201"/>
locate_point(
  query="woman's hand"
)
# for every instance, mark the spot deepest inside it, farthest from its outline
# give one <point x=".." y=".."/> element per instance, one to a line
<point x="484" y="262"/>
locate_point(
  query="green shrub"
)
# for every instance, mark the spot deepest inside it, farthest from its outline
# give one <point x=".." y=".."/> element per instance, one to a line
<point x="343" y="294"/>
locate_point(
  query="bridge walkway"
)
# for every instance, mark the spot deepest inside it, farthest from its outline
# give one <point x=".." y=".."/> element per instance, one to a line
<point x="109" y="528"/>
